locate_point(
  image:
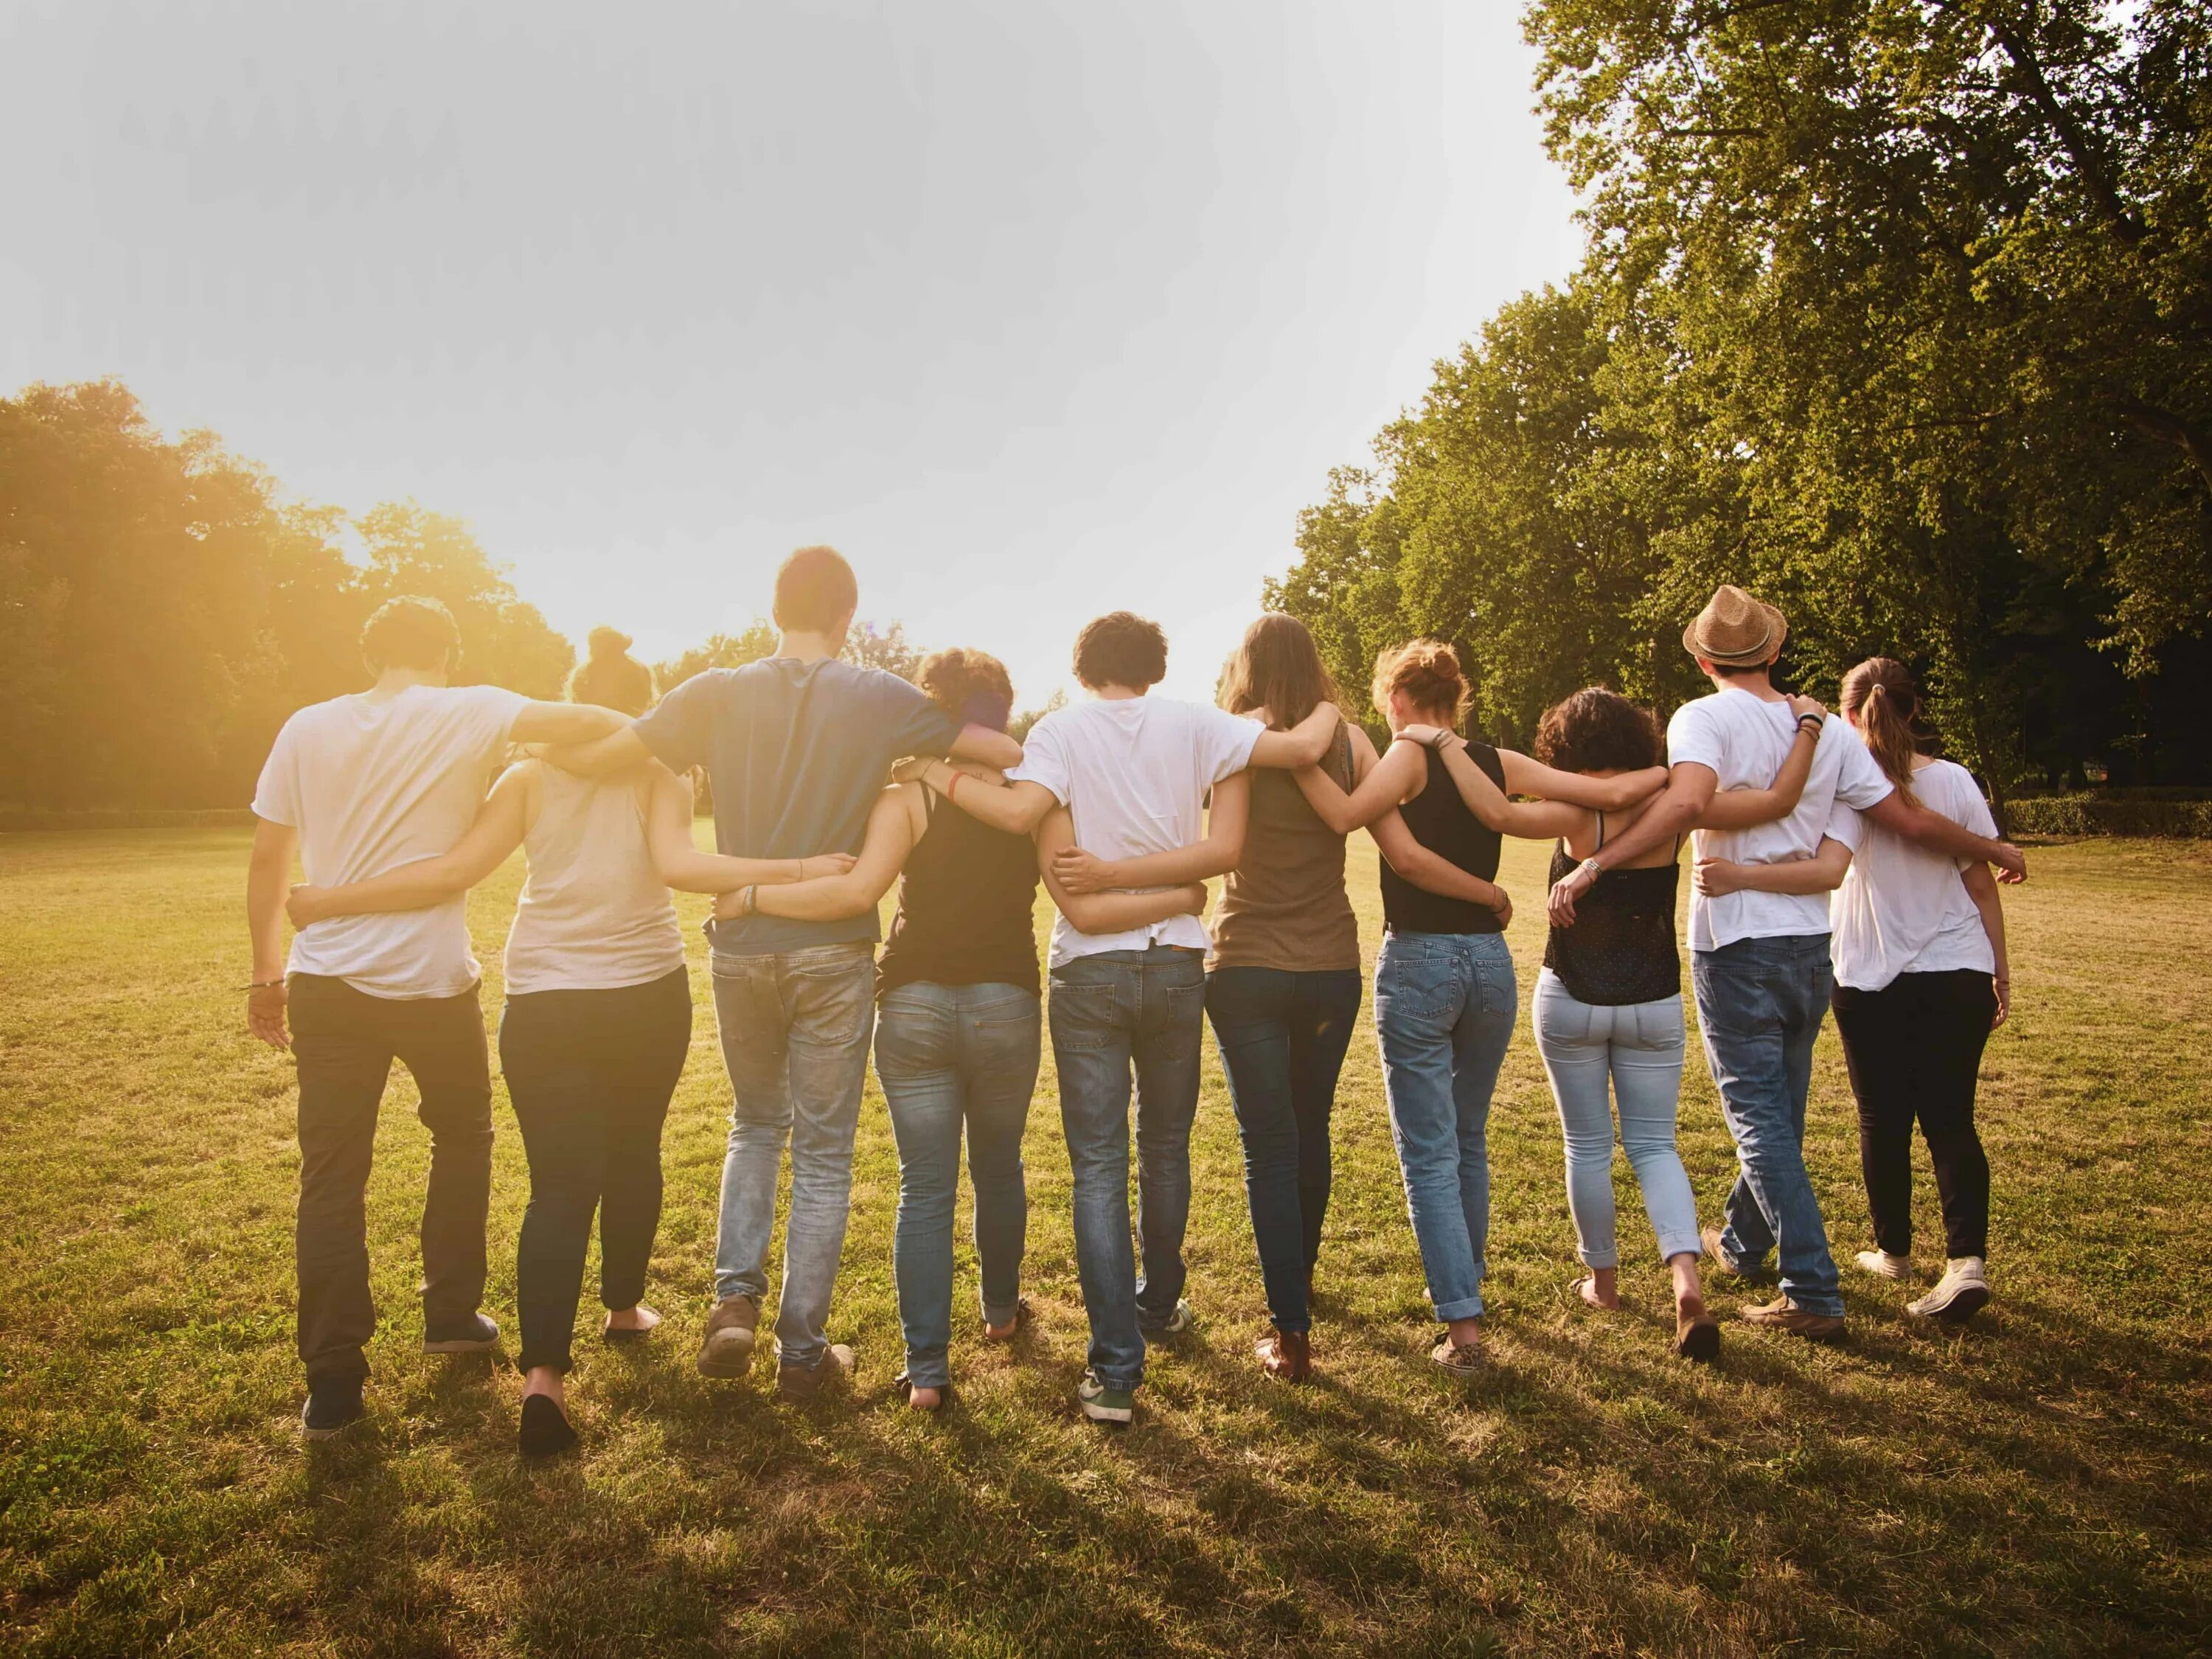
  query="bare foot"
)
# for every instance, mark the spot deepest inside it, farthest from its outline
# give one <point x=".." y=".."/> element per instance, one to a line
<point x="924" y="1400"/>
<point x="1600" y="1289"/>
<point x="638" y="1319"/>
<point x="1689" y="1305"/>
<point x="544" y="1379"/>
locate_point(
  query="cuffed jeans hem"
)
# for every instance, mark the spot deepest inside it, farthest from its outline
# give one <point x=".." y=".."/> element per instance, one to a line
<point x="527" y="1362"/>
<point x="756" y="1286"/>
<point x="1829" y="1307"/>
<point x="1590" y="1259"/>
<point x="353" y="1371"/>
<point x="1471" y="1307"/>
<point x="928" y="1371"/>
<point x="1130" y="1381"/>
<point x="1689" y="1245"/>
<point x="995" y="1313"/>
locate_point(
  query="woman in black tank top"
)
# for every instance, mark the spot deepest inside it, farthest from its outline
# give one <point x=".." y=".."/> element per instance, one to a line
<point x="958" y="1028"/>
<point x="1608" y="1003"/>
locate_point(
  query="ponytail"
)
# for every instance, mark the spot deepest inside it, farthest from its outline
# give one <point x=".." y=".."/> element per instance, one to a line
<point x="1880" y="699"/>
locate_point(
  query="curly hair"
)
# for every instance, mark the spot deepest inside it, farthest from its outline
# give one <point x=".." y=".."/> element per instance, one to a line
<point x="1122" y="648"/>
<point x="971" y="686"/>
<point x="1427" y="672"/>
<point x="1598" y="731"/>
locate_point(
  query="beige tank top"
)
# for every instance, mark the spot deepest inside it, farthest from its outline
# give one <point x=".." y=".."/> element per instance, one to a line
<point x="594" y="913"/>
<point x="1284" y="905"/>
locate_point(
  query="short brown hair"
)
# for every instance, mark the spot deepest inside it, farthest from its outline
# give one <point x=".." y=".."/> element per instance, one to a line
<point x="971" y="686"/>
<point x="815" y="590"/>
<point x="410" y="632"/>
<point x="1427" y="672"/>
<point x="1276" y="667"/>
<point x="610" y="677"/>
<point x="1121" y="648"/>
<point x="1597" y="731"/>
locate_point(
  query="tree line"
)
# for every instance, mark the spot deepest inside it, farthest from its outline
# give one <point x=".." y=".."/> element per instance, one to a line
<point x="1895" y="312"/>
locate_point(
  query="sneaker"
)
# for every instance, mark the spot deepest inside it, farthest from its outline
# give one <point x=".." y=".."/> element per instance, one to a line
<point x="726" y="1349"/>
<point x="1103" y="1405"/>
<point x="468" y="1334"/>
<point x="1711" y="1238"/>
<point x="1286" y="1354"/>
<point x="835" y="1365"/>
<point x="1962" y="1292"/>
<point x="1184" y="1318"/>
<point x="331" y="1407"/>
<point x="1882" y="1265"/>
<point x="1459" y="1360"/>
<point x="1786" y="1315"/>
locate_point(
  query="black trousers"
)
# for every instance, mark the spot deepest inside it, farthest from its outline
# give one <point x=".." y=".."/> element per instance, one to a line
<point x="591" y="1073"/>
<point x="1914" y="1049"/>
<point x="344" y="1042"/>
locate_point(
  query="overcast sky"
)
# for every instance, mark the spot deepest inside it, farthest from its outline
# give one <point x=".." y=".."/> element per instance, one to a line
<point x="1035" y="308"/>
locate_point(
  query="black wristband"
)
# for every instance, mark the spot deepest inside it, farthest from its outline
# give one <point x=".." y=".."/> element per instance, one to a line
<point x="1818" y="724"/>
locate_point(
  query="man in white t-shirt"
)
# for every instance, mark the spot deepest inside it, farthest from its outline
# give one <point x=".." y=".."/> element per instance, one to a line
<point x="1133" y="771"/>
<point x="357" y="786"/>
<point x="1759" y="961"/>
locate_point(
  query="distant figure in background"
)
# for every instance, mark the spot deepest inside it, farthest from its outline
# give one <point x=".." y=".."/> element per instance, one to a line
<point x="598" y="1013"/>
<point x="357" y="786"/>
<point x="1759" y="957"/>
<point x="1922" y="979"/>
<point x="796" y="747"/>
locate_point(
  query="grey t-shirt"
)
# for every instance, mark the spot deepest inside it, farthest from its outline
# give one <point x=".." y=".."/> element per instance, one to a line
<point x="797" y="753"/>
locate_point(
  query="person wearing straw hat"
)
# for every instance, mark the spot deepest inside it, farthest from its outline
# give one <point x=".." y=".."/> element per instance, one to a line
<point x="1760" y="963"/>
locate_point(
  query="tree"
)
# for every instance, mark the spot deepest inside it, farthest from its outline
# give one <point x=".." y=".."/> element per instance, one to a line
<point x="504" y="642"/>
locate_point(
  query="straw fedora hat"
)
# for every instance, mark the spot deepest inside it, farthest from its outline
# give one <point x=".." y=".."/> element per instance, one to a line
<point x="1734" y="629"/>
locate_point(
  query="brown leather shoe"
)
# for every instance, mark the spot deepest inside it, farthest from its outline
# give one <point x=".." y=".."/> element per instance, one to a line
<point x="1786" y="1315"/>
<point x="1286" y="1354"/>
<point x="726" y="1351"/>
<point x="835" y="1365"/>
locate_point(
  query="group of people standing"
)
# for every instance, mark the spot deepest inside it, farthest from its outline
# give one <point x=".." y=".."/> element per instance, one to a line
<point x="830" y="782"/>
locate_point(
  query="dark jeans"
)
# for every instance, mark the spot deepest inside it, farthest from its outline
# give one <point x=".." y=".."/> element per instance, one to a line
<point x="590" y="1073"/>
<point x="344" y="1042"/>
<point x="1112" y="1012"/>
<point x="1283" y="1037"/>
<point x="1914" y="1049"/>
<point x="1760" y="1002"/>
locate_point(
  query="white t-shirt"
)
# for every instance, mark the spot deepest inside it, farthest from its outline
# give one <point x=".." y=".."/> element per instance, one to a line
<point x="1904" y="910"/>
<point x="371" y="785"/>
<point x="1744" y="738"/>
<point x="1133" y="773"/>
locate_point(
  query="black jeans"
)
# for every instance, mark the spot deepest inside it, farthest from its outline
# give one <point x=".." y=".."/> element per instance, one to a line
<point x="1283" y="1037"/>
<point x="1914" y="1049"/>
<point x="344" y="1042"/>
<point x="591" y="1073"/>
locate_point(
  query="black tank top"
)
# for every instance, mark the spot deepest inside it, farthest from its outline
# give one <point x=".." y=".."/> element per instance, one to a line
<point x="1442" y="822"/>
<point x="1622" y="948"/>
<point x="967" y="912"/>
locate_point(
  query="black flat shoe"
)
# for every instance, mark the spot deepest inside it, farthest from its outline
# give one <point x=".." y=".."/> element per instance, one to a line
<point x="545" y="1427"/>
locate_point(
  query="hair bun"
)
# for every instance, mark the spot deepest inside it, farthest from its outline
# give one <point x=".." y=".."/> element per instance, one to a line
<point x="607" y="644"/>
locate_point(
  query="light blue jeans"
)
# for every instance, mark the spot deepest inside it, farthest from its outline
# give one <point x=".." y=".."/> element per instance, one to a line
<point x="1637" y="1047"/>
<point x="1112" y="1014"/>
<point x="950" y="1056"/>
<point x="794" y="1030"/>
<point x="1444" y="1005"/>
<point x="1759" y="1004"/>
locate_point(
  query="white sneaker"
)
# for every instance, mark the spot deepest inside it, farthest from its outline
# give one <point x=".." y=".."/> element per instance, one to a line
<point x="1882" y="1265"/>
<point x="1963" y="1291"/>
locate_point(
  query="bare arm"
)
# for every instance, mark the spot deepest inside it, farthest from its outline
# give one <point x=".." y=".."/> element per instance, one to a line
<point x="1821" y="873"/>
<point x="1432" y="871"/>
<point x="1304" y="744"/>
<point x="500" y="826"/>
<point x="601" y="755"/>
<point x="1689" y="791"/>
<point x="566" y="722"/>
<point x="1381" y="787"/>
<point x="1939" y="834"/>
<point x="268" y="873"/>
<point x="1524" y="776"/>
<point x="987" y="746"/>
<point x="1532" y="820"/>
<point x="1982" y="888"/>
<point x="1216" y="854"/>
<point x="1016" y="808"/>
<point x="685" y="867"/>
<point x="1107" y="912"/>
<point x="890" y="837"/>
<point x="1743" y="809"/>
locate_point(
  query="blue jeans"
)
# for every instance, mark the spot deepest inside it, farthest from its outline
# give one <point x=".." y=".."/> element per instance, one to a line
<point x="1638" y="1047"/>
<point x="950" y="1056"/>
<point x="1111" y="1013"/>
<point x="1282" y="1037"/>
<point x="1760" y="1002"/>
<point x="795" y="1038"/>
<point x="1444" y="1005"/>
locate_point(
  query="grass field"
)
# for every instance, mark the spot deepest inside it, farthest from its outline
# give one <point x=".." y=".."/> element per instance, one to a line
<point x="2038" y="1484"/>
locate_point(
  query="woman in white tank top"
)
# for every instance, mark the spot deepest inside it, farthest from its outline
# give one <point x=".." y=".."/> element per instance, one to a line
<point x="597" y="1020"/>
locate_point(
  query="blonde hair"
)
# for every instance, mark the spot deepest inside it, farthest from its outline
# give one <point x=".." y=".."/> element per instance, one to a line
<point x="610" y="676"/>
<point x="1427" y="672"/>
<point x="1880" y="699"/>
